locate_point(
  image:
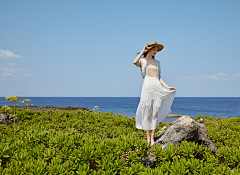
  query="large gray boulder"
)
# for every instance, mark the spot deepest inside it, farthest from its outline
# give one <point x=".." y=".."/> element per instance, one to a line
<point x="185" y="129"/>
<point x="5" y="120"/>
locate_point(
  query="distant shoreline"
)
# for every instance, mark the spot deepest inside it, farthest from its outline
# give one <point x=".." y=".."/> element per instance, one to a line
<point x="70" y="108"/>
<point x="39" y="108"/>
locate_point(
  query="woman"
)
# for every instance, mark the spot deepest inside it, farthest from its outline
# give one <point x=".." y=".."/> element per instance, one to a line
<point x="156" y="96"/>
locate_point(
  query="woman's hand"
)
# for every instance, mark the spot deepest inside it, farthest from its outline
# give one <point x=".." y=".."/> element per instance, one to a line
<point x="145" y="49"/>
<point x="172" y="88"/>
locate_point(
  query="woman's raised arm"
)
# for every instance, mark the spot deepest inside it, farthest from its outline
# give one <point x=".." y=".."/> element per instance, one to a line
<point x="137" y="59"/>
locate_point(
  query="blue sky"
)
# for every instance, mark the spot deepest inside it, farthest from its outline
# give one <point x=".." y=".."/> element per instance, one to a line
<point x="86" y="48"/>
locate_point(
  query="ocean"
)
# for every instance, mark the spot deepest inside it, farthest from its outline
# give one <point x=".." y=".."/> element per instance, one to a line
<point x="222" y="107"/>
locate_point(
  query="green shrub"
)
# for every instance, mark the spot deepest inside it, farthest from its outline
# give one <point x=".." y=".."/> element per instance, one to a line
<point x="87" y="142"/>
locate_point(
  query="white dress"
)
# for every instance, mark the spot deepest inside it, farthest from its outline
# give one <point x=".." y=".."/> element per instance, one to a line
<point x="156" y="100"/>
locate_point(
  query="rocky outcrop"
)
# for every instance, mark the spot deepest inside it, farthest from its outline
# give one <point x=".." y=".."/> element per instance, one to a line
<point x="5" y="120"/>
<point x="178" y="115"/>
<point x="150" y="160"/>
<point x="185" y="129"/>
<point x="217" y="118"/>
<point x="203" y="120"/>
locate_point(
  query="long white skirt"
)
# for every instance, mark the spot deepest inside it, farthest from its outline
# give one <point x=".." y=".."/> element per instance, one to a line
<point x="155" y="104"/>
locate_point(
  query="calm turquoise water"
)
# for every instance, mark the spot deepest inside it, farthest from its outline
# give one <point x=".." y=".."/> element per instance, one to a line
<point x="127" y="106"/>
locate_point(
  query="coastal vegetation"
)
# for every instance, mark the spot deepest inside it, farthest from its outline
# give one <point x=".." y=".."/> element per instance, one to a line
<point x="90" y="142"/>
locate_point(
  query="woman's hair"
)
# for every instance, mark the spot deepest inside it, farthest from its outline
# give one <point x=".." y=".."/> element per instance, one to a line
<point x="145" y="54"/>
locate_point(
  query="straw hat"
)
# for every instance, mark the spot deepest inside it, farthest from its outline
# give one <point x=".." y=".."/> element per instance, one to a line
<point x="153" y="44"/>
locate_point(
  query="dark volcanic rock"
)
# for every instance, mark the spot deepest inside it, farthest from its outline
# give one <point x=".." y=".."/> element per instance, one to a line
<point x="185" y="129"/>
<point x="150" y="161"/>
<point x="203" y="120"/>
<point x="217" y="119"/>
<point x="5" y="120"/>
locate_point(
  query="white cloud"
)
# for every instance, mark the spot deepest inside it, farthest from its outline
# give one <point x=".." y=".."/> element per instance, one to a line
<point x="215" y="77"/>
<point x="212" y="77"/>
<point x="5" y="54"/>
<point x="187" y="77"/>
<point x="222" y="74"/>
<point x="12" y="71"/>
<point x="11" y="64"/>
<point x="3" y="74"/>
<point x="219" y="76"/>
<point x="29" y="75"/>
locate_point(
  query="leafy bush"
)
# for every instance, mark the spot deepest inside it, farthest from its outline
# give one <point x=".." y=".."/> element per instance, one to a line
<point x="87" y="142"/>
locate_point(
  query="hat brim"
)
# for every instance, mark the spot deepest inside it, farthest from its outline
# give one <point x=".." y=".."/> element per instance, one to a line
<point x="160" y="47"/>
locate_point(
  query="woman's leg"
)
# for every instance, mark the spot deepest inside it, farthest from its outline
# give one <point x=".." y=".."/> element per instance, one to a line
<point x="146" y="121"/>
<point x="152" y="137"/>
<point x="154" y="122"/>
<point x="148" y="136"/>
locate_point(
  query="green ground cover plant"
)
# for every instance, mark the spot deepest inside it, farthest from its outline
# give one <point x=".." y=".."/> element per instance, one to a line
<point x="13" y="100"/>
<point x="25" y="101"/>
<point x="90" y="142"/>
